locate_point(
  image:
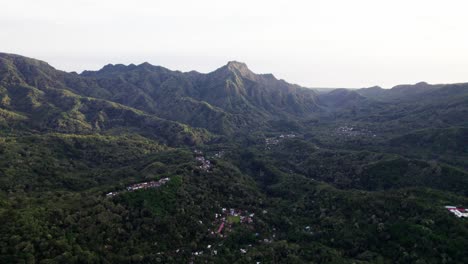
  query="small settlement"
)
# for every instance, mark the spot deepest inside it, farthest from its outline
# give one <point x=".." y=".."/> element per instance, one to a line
<point x="203" y="163"/>
<point x="458" y="211"/>
<point x="276" y="140"/>
<point x="349" y="131"/>
<point x="224" y="221"/>
<point x="142" y="185"/>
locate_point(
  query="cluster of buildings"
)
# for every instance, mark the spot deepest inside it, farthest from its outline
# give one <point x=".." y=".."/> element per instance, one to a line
<point x="204" y="164"/>
<point x="458" y="211"/>
<point x="271" y="141"/>
<point x="147" y="185"/>
<point x="142" y="185"/>
<point x="287" y="136"/>
<point x="276" y="140"/>
<point x="349" y="131"/>
<point x="224" y="221"/>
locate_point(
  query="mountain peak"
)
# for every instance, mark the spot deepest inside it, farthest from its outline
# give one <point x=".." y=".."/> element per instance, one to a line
<point x="236" y="65"/>
<point x="113" y="67"/>
<point x="239" y="68"/>
<point x="145" y="65"/>
<point x="19" y="60"/>
<point x="417" y="86"/>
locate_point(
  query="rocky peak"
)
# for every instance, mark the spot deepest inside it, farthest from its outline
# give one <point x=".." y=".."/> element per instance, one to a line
<point x="238" y="68"/>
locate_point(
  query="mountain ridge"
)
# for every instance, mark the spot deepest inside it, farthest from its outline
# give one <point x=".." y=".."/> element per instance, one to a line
<point x="234" y="94"/>
<point x="231" y="98"/>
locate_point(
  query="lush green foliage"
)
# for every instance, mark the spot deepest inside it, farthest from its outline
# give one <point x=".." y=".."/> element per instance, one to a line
<point x="341" y="177"/>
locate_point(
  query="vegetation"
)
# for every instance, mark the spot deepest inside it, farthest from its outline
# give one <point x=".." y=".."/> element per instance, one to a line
<point x="341" y="177"/>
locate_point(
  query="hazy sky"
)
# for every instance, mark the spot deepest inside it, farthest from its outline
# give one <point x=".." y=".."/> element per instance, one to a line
<point x="315" y="43"/>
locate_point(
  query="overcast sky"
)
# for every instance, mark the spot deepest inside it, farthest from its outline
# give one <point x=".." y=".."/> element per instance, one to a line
<point x="314" y="43"/>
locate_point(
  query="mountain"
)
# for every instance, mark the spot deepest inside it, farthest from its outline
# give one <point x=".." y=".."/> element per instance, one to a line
<point x="34" y="95"/>
<point x="340" y="98"/>
<point x="230" y="97"/>
<point x="222" y="101"/>
<point x="404" y="107"/>
<point x="239" y="90"/>
<point x="399" y="92"/>
<point x="142" y="164"/>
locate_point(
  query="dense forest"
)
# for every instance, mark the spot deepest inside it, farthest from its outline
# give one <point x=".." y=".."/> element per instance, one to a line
<point x="141" y="164"/>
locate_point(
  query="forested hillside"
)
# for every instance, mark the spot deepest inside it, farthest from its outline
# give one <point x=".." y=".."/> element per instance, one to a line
<point x="142" y="164"/>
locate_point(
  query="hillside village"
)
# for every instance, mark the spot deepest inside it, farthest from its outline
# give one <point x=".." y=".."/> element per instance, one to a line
<point x="203" y="163"/>
<point x="350" y="131"/>
<point x="225" y="220"/>
<point x="223" y="224"/>
<point x="140" y="186"/>
<point x="272" y="141"/>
